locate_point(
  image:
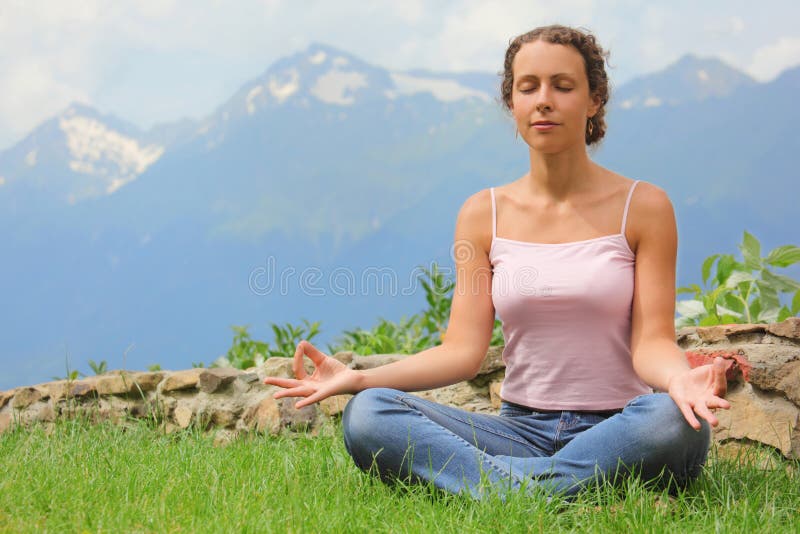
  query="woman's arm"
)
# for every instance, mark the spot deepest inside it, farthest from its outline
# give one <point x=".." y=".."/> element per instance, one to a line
<point x="657" y="358"/>
<point x="460" y="355"/>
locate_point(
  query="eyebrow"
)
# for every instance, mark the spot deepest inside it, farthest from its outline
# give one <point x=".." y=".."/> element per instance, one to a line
<point x="552" y="77"/>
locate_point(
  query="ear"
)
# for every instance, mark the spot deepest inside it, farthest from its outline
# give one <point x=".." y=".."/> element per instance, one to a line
<point x="594" y="107"/>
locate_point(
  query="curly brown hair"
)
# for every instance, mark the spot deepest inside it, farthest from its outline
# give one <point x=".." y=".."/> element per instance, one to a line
<point x="594" y="58"/>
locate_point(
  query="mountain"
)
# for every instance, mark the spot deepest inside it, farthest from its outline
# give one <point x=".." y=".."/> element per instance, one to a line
<point x="689" y="79"/>
<point x="317" y="189"/>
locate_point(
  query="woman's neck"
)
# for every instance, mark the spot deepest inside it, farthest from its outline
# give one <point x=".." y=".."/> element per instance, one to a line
<point x="555" y="178"/>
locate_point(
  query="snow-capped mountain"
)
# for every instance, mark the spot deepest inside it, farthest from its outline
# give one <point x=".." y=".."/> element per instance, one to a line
<point x="79" y="154"/>
<point x="691" y="78"/>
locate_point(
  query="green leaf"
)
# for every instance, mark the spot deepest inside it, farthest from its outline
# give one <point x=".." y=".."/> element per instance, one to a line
<point x="736" y="277"/>
<point x="724" y="268"/>
<point x="706" y="269"/>
<point x="690" y="308"/>
<point x="730" y="301"/>
<point x="729" y="319"/>
<point x="721" y="310"/>
<point x="709" y="320"/>
<point x="694" y="288"/>
<point x="783" y="256"/>
<point x="769" y="315"/>
<point x="768" y="295"/>
<point x="796" y="303"/>
<point x="755" y="309"/>
<point x="784" y="314"/>
<point x="751" y="250"/>
<point x="779" y="282"/>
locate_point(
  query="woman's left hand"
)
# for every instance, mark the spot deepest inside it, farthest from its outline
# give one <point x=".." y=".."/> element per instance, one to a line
<point x="699" y="391"/>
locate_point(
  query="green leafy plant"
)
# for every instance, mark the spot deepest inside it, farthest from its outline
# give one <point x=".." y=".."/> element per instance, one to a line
<point x="416" y="332"/>
<point x="439" y="296"/>
<point x="288" y="336"/>
<point x="154" y="367"/>
<point x="247" y="352"/>
<point x="71" y="376"/>
<point x="98" y="368"/>
<point x="742" y="292"/>
<point x="408" y="336"/>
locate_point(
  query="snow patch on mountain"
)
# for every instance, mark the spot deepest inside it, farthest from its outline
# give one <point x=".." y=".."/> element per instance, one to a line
<point x="442" y="89"/>
<point x="317" y="58"/>
<point x="254" y="92"/>
<point x="99" y="151"/>
<point x="284" y="87"/>
<point x="333" y="86"/>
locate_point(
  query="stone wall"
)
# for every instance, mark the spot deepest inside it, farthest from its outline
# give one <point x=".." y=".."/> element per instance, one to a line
<point x="763" y="378"/>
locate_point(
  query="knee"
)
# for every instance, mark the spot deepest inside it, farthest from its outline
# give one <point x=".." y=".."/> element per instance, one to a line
<point x="361" y="416"/>
<point x="668" y="429"/>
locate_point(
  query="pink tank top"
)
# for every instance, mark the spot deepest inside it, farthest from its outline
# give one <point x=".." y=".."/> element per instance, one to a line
<point x="566" y="314"/>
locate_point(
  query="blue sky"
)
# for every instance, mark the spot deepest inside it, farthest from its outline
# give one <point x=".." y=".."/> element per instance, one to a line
<point x="154" y="61"/>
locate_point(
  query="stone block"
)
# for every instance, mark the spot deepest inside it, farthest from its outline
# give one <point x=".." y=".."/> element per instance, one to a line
<point x="181" y="380"/>
<point x="788" y="328"/>
<point x="24" y="397"/>
<point x="493" y="360"/>
<point x="82" y="388"/>
<point x="263" y="415"/>
<point x="344" y="356"/>
<point x="6" y="396"/>
<point x="281" y="367"/>
<point x="374" y="360"/>
<point x="297" y="420"/>
<point x="182" y="416"/>
<point x="215" y="379"/>
<point x="334" y="405"/>
<point x="720" y="333"/>
<point x="57" y="390"/>
<point x="494" y="394"/>
<point x="764" y="417"/>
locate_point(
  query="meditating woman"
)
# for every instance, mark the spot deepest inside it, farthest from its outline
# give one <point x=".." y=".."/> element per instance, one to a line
<point x="579" y="264"/>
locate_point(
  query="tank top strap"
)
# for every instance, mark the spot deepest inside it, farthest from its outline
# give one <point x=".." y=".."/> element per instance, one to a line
<point x="627" y="205"/>
<point x="494" y="215"/>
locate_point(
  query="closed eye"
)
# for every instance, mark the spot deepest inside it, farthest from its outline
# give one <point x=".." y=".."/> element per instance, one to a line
<point x="562" y="89"/>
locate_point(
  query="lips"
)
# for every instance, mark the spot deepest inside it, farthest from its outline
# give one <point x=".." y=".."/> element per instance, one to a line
<point x="544" y="126"/>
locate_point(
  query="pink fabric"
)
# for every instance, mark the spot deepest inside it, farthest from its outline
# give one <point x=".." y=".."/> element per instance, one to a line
<point x="566" y="313"/>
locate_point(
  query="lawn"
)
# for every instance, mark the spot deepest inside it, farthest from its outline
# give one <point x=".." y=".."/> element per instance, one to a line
<point x="77" y="477"/>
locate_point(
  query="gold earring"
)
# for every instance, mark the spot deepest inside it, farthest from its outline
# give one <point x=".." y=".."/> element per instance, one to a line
<point x="590" y="127"/>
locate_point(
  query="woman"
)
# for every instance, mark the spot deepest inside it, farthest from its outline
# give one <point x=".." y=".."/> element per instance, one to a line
<point x="579" y="264"/>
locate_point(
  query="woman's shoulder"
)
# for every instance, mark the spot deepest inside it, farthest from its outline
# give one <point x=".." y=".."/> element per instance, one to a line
<point x="475" y="219"/>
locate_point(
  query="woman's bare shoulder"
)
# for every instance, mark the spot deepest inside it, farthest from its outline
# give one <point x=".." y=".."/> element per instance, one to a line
<point x="475" y="219"/>
<point x="648" y="202"/>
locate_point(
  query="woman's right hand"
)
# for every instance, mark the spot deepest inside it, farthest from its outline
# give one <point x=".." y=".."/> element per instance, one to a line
<point x="330" y="377"/>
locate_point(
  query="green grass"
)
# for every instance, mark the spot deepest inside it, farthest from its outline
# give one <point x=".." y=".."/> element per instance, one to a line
<point x="102" y="478"/>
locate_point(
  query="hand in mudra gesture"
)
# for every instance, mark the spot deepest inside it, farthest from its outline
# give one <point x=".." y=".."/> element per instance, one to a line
<point x="700" y="391"/>
<point x="330" y="377"/>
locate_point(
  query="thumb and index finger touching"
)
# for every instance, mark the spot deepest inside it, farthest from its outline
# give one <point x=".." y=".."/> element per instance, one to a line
<point x="305" y="348"/>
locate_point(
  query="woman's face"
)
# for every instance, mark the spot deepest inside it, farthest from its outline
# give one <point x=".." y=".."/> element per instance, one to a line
<point x="550" y="86"/>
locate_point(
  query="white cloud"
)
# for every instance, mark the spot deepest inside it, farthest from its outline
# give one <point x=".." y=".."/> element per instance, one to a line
<point x="768" y="61"/>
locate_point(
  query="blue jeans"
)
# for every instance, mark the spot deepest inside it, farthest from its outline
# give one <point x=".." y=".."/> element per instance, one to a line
<point x="405" y="437"/>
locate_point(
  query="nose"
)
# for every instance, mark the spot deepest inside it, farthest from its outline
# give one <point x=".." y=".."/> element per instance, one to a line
<point x="544" y="100"/>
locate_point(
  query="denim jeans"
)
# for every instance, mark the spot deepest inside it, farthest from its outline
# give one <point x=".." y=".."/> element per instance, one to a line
<point x="561" y="452"/>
